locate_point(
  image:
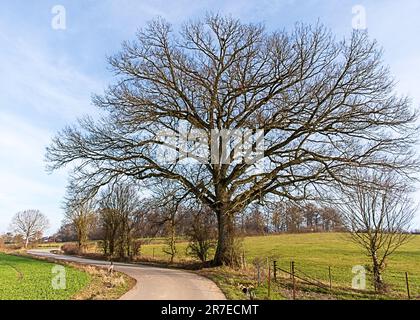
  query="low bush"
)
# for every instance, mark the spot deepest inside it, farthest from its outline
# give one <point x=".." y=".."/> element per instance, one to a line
<point x="202" y="234"/>
<point x="70" y="248"/>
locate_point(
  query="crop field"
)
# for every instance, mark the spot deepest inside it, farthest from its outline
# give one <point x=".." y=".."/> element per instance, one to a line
<point x="28" y="279"/>
<point x="314" y="253"/>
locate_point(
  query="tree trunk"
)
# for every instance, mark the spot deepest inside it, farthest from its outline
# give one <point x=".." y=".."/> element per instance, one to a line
<point x="172" y="244"/>
<point x="111" y="246"/>
<point x="225" y="251"/>
<point x="80" y="246"/>
<point x="377" y="275"/>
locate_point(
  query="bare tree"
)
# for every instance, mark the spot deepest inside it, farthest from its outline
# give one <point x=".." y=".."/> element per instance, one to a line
<point x="311" y="215"/>
<point x="377" y="212"/>
<point x="201" y="233"/>
<point x="30" y="224"/>
<point x="277" y="211"/>
<point x="81" y="214"/>
<point x="66" y="233"/>
<point x="324" y="107"/>
<point x="109" y="221"/>
<point x="167" y="200"/>
<point x="254" y="221"/>
<point x="118" y="207"/>
<point x="331" y="219"/>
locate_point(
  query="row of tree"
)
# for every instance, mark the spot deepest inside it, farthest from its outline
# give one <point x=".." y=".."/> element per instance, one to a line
<point x="289" y="217"/>
<point x="119" y="218"/>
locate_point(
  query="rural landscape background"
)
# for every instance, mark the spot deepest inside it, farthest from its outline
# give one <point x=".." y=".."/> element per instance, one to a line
<point x="257" y="151"/>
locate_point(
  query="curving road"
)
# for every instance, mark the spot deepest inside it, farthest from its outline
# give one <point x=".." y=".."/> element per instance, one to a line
<point x="154" y="283"/>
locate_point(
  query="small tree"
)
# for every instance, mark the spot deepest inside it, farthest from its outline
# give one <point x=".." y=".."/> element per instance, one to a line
<point x="255" y="222"/>
<point x="110" y="223"/>
<point x="119" y="205"/>
<point x="377" y="212"/>
<point x="202" y="235"/>
<point x="81" y="215"/>
<point x="30" y="224"/>
<point x="167" y="202"/>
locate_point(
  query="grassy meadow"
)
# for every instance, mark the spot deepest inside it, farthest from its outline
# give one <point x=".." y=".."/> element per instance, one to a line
<point x="314" y="253"/>
<point x="24" y="278"/>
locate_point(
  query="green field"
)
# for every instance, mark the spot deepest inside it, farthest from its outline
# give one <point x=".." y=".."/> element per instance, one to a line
<point x="29" y="279"/>
<point x="314" y="253"/>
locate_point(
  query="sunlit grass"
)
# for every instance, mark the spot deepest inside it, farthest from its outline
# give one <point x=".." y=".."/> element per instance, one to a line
<point x="29" y="279"/>
<point x="314" y="253"/>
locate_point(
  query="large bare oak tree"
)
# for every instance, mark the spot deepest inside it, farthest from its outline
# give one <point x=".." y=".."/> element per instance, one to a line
<point x="325" y="106"/>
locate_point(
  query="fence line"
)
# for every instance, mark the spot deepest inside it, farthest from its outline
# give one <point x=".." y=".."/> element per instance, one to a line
<point x="305" y="278"/>
<point x="317" y="283"/>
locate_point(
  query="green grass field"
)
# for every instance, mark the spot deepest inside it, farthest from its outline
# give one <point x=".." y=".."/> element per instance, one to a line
<point x="314" y="253"/>
<point x="28" y="279"/>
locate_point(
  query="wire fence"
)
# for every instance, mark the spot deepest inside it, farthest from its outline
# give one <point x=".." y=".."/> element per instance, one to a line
<point x="332" y="280"/>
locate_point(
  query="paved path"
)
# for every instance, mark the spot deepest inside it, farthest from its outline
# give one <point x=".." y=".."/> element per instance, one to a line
<point x="154" y="283"/>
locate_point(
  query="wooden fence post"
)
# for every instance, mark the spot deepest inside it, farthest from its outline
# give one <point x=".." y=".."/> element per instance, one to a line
<point x="275" y="270"/>
<point x="269" y="281"/>
<point x="258" y="275"/>
<point x="407" y="285"/>
<point x="293" y="278"/>
<point x="329" y="276"/>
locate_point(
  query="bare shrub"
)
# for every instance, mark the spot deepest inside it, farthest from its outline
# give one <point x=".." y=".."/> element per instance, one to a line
<point x="202" y="236"/>
<point x="70" y="248"/>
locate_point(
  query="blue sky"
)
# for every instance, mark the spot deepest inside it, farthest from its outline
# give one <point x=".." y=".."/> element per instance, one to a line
<point x="47" y="76"/>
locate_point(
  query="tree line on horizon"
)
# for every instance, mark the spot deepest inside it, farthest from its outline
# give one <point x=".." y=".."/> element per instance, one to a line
<point x="121" y="222"/>
<point x="290" y="218"/>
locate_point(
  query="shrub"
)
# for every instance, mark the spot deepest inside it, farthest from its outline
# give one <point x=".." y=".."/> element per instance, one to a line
<point x="136" y="247"/>
<point x="70" y="248"/>
<point x="201" y="237"/>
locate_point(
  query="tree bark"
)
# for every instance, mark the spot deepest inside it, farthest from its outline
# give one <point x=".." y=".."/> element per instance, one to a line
<point x="377" y="275"/>
<point x="225" y="251"/>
